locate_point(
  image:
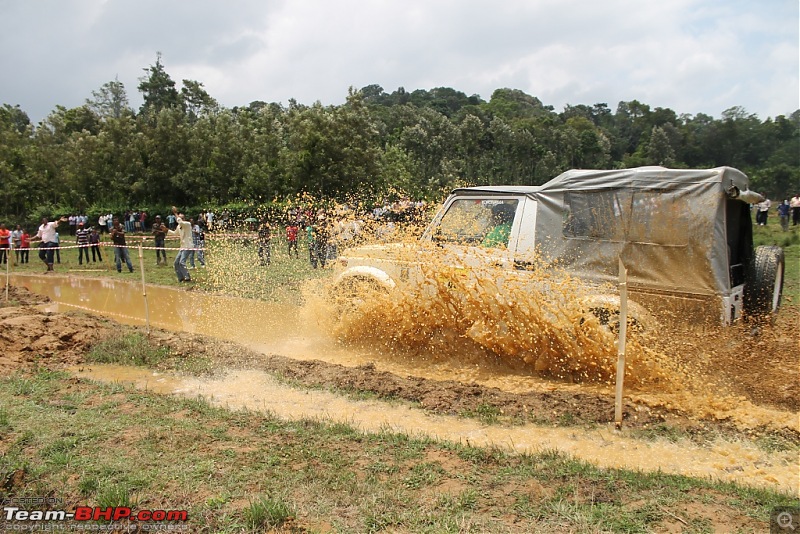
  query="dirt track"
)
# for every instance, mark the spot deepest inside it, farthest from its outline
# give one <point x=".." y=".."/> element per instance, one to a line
<point x="755" y="368"/>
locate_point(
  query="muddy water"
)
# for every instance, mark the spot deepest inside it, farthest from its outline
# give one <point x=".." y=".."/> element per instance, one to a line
<point x="265" y="327"/>
<point x="255" y="390"/>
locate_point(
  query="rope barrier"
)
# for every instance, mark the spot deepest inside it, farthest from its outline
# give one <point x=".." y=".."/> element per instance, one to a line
<point x="114" y="314"/>
<point x="112" y="245"/>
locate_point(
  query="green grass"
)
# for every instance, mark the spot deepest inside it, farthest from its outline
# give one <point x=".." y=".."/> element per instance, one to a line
<point x="790" y="241"/>
<point x="265" y="513"/>
<point x="128" y="349"/>
<point x="249" y="472"/>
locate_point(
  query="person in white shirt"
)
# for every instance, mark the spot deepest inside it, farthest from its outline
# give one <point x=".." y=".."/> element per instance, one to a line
<point x="763" y="212"/>
<point x="47" y="234"/>
<point x="16" y="241"/>
<point x="184" y="231"/>
<point x="794" y="205"/>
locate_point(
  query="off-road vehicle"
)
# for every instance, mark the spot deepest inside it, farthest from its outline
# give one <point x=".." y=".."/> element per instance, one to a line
<point x="684" y="236"/>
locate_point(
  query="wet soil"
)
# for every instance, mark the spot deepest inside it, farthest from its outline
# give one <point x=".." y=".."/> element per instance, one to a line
<point x="31" y="337"/>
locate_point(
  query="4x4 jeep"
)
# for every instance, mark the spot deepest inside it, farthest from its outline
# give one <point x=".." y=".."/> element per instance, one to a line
<point x="685" y="237"/>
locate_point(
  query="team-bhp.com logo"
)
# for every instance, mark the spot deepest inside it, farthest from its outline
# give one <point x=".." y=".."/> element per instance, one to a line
<point x="94" y="513"/>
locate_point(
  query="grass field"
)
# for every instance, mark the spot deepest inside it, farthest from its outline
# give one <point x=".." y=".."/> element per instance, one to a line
<point x="111" y="445"/>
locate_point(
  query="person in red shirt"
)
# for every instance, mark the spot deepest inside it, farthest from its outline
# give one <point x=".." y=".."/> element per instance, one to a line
<point x="291" y="237"/>
<point x="24" y="246"/>
<point x="5" y="243"/>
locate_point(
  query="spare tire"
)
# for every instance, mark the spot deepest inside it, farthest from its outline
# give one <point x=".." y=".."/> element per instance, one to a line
<point x="765" y="282"/>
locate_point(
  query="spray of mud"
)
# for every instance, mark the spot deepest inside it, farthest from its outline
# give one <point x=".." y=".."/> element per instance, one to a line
<point x="486" y="311"/>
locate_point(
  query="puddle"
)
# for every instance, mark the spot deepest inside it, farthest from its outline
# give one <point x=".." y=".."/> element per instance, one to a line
<point x="266" y="327"/>
<point x="255" y="390"/>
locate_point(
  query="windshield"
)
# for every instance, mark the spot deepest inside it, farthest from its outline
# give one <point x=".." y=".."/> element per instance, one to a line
<point x="478" y="222"/>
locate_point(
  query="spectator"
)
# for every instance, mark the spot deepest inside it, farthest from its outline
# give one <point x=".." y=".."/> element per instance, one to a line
<point x="171" y="221"/>
<point x="322" y="235"/>
<point x="58" y="247"/>
<point x="184" y="231"/>
<point x="794" y="204"/>
<point x="160" y="234"/>
<point x="199" y="242"/>
<point x="48" y="236"/>
<point x="783" y="213"/>
<point x="5" y="244"/>
<point x="143" y="220"/>
<point x="94" y="241"/>
<point x="16" y="237"/>
<point x="291" y="237"/>
<point x="82" y="240"/>
<point x="763" y="212"/>
<point x="73" y="222"/>
<point x="101" y="223"/>
<point x="24" y="246"/>
<point x="264" y="243"/>
<point x="120" y="247"/>
<point x="311" y="236"/>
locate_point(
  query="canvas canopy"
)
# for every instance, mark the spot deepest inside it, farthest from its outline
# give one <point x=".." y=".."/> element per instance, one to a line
<point x="676" y="230"/>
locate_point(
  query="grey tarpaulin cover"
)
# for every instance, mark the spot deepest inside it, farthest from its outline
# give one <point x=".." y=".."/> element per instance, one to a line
<point x="675" y="229"/>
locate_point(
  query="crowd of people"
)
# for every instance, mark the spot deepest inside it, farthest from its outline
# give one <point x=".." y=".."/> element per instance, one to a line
<point x="324" y="231"/>
<point x="788" y="209"/>
<point x="88" y="240"/>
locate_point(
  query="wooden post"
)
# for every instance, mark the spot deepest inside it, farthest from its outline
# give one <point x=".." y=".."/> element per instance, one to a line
<point x="8" y="267"/>
<point x="623" y="330"/>
<point x="144" y="290"/>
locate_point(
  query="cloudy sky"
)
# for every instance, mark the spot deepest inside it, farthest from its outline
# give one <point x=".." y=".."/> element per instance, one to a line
<point x="693" y="56"/>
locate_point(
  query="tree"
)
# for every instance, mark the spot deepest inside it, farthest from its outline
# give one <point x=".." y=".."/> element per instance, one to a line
<point x="196" y="101"/>
<point x="111" y="101"/>
<point x="659" y="150"/>
<point x="158" y="89"/>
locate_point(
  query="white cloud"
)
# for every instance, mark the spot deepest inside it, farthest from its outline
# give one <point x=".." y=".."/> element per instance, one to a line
<point x="689" y="55"/>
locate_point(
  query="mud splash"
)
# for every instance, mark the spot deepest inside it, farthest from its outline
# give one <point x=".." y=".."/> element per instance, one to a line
<point x="713" y="377"/>
<point x="254" y="390"/>
<point x="465" y="302"/>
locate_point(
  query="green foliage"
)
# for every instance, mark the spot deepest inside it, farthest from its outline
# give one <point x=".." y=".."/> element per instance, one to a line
<point x="265" y="513"/>
<point x="183" y="148"/>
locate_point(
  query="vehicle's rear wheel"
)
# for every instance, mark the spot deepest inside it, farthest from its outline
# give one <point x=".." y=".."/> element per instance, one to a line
<point x="764" y="286"/>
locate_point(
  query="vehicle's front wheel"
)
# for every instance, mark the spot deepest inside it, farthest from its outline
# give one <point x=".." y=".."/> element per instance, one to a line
<point x="764" y="286"/>
<point x="352" y="292"/>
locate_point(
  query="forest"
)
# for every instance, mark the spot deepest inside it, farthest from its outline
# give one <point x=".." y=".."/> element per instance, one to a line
<point x="182" y="147"/>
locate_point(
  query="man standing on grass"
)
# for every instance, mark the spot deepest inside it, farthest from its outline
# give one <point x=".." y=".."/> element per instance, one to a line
<point x="94" y="241"/>
<point x="794" y="204"/>
<point x="120" y="247"/>
<point x="47" y="234"/>
<point x="184" y="232"/>
<point x="5" y="244"/>
<point x="16" y="241"/>
<point x="82" y="240"/>
<point x="160" y="234"/>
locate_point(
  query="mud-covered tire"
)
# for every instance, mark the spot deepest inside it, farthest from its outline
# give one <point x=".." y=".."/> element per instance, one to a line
<point x="764" y="286"/>
<point x="351" y="292"/>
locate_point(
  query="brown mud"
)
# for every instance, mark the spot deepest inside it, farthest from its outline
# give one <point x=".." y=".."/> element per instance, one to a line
<point x="763" y="375"/>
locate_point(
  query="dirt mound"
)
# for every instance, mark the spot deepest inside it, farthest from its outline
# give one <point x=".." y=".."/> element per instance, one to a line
<point x="30" y="336"/>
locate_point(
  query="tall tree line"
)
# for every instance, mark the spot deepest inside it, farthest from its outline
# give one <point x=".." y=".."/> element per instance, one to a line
<point x="182" y="147"/>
